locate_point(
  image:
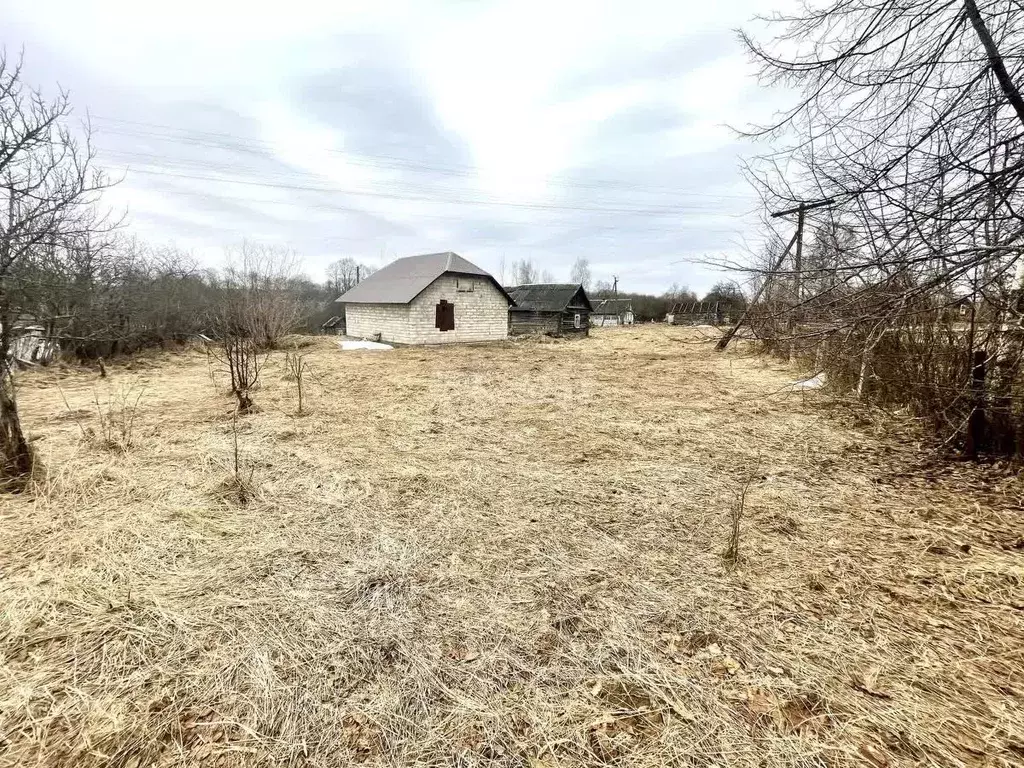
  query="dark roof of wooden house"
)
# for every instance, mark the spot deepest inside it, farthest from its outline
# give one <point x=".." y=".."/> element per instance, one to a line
<point x="404" y="279"/>
<point x="548" y="297"/>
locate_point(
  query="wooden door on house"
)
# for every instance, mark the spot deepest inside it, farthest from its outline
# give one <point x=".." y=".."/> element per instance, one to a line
<point x="444" y="316"/>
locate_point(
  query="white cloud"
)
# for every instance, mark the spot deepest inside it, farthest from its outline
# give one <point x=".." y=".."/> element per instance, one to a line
<point x="415" y="110"/>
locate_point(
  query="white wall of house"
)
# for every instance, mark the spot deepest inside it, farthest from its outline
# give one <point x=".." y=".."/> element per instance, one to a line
<point x="365" y="321"/>
<point x="607" y="320"/>
<point x="481" y="314"/>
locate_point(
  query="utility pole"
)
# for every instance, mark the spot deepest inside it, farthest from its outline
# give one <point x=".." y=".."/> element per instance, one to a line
<point x="798" y="279"/>
<point x="797" y="240"/>
<point x="798" y="264"/>
<point x="798" y="256"/>
<point x="357" y="273"/>
<point x="615" y="286"/>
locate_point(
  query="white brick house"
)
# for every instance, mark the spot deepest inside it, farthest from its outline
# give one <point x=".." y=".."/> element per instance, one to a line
<point x="436" y="298"/>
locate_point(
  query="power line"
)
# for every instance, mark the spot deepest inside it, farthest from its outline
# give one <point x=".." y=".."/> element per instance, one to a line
<point x="233" y="142"/>
<point x="185" y="165"/>
<point x="663" y="211"/>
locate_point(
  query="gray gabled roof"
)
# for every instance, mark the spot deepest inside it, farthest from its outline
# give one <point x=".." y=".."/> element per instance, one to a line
<point x="613" y="307"/>
<point x="547" y="297"/>
<point x="404" y="279"/>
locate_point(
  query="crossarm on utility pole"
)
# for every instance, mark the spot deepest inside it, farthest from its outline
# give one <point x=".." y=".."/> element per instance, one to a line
<point x="724" y="341"/>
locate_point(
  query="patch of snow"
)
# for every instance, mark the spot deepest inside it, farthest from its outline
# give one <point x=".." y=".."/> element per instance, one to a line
<point x="347" y="346"/>
<point x="815" y="382"/>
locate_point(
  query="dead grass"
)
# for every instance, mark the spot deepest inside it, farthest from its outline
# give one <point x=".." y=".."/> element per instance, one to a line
<point x="504" y="555"/>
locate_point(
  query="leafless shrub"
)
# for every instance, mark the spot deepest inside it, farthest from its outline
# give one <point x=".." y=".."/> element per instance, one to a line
<point x="732" y="549"/>
<point x="297" y="367"/>
<point x="243" y="362"/>
<point x="115" y="418"/>
<point x="731" y="555"/>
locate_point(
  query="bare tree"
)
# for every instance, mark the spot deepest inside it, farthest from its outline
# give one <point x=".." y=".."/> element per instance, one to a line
<point x="907" y="133"/>
<point x="603" y="289"/>
<point x="524" y="272"/>
<point x="341" y="274"/>
<point x="547" y="276"/>
<point x="47" y="194"/>
<point x="677" y="294"/>
<point x="261" y="306"/>
<point x="581" y="272"/>
<point x="344" y="273"/>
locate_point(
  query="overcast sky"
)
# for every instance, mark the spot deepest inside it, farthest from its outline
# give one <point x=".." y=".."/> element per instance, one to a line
<point x="543" y="130"/>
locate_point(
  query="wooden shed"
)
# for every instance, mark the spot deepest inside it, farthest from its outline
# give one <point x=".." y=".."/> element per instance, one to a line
<point x="558" y="309"/>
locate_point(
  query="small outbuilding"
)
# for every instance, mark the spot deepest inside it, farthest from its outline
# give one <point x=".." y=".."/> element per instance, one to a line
<point x="334" y="325"/>
<point x="558" y="309"/>
<point x="436" y="298"/>
<point x="613" y="312"/>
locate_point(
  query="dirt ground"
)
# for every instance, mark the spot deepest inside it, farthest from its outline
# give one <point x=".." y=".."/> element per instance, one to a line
<point x="506" y="555"/>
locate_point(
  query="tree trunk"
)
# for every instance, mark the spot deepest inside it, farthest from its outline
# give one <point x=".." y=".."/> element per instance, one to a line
<point x="15" y="454"/>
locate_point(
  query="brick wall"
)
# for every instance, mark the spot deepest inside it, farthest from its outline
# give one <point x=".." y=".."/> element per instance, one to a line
<point x="365" y="321"/>
<point x="481" y="314"/>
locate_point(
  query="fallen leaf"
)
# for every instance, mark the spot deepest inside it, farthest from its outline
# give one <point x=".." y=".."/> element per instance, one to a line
<point x="462" y="653"/>
<point x="760" y="702"/>
<point x="806" y="712"/>
<point x="875" y="756"/>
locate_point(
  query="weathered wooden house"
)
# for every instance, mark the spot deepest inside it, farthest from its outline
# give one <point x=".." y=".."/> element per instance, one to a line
<point x="700" y="313"/>
<point x="31" y="342"/>
<point x="558" y="309"/>
<point x="436" y="298"/>
<point x="613" y="312"/>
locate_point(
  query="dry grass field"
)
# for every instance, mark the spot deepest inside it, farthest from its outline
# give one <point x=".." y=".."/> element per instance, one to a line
<point x="506" y="555"/>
